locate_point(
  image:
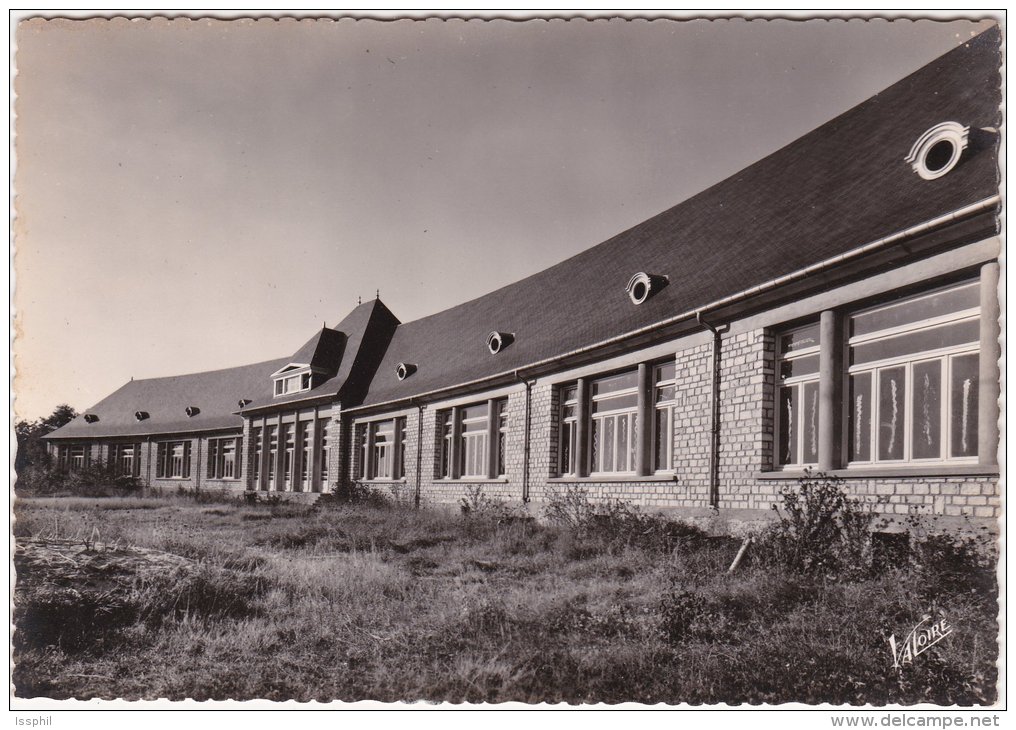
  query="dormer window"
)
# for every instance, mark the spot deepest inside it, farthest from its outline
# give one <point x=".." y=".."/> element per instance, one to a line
<point x="294" y="378"/>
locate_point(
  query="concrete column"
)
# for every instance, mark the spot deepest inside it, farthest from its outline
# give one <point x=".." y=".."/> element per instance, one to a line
<point x="280" y="447"/>
<point x="830" y="392"/>
<point x="991" y="351"/>
<point x="644" y="432"/>
<point x="297" y="455"/>
<point x="396" y="448"/>
<point x="263" y="468"/>
<point x="315" y="455"/>
<point x="582" y="428"/>
<point x="368" y="464"/>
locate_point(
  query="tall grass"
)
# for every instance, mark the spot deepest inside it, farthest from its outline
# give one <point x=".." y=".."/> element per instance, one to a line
<point x="371" y="602"/>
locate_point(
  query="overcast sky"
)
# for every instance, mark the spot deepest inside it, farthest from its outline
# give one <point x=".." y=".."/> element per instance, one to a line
<point x="201" y="194"/>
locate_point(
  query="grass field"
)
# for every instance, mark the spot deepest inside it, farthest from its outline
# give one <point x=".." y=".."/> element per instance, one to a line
<point x="150" y="598"/>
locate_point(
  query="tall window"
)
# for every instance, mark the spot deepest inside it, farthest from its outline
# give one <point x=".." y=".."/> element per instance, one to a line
<point x="305" y="433"/>
<point x="614" y="434"/>
<point x="567" y="463"/>
<point x="125" y="459"/>
<point x="447" y="433"/>
<point x="273" y="453"/>
<point x="473" y="441"/>
<point x="400" y="435"/>
<point x="173" y="460"/>
<point x="384" y="450"/>
<point x="914" y="378"/>
<point x="797" y="401"/>
<point x="324" y="446"/>
<point x="222" y="458"/>
<point x="664" y="394"/>
<point x="71" y="457"/>
<point x="289" y="446"/>
<point x="256" y="435"/>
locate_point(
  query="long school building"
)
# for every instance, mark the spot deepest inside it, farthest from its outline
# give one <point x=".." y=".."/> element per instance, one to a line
<point x="833" y="306"/>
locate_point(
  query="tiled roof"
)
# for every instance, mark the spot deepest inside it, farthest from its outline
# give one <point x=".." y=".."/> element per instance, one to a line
<point x="841" y="186"/>
<point x="216" y="394"/>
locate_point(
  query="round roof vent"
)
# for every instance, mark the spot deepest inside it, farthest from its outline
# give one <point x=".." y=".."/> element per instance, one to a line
<point x="938" y="150"/>
<point x="404" y="369"/>
<point x="91" y="418"/>
<point x="244" y="402"/>
<point x="641" y="286"/>
<point x="497" y="341"/>
<point x="141" y="415"/>
<point x="192" y="411"/>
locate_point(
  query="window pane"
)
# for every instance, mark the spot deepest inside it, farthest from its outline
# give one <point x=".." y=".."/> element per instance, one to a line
<point x="661" y="445"/>
<point x="860" y="417"/>
<point x="566" y="449"/>
<point x="594" y="443"/>
<point x="614" y="383"/>
<point x="622" y="444"/>
<point x="570" y="394"/>
<point x="621" y="402"/>
<point x="801" y="366"/>
<point x="665" y="394"/>
<point x="926" y="441"/>
<point x="810" y="422"/>
<point x="963" y="405"/>
<point x="892" y="388"/>
<point x="607" y="446"/>
<point x="788" y="425"/>
<point x="477" y="411"/>
<point x="667" y="371"/>
<point x="800" y="339"/>
<point x="932" y="338"/>
<point x="917" y="310"/>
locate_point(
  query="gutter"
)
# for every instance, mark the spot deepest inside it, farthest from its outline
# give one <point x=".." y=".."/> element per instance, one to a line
<point x="918" y="229"/>
<point x="526" y="446"/>
<point x="714" y="415"/>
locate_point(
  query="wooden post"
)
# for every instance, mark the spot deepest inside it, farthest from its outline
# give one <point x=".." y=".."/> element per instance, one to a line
<point x="991" y="351"/>
<point x="830" y="392"/>
<point x="643" y="454"/>
<point x="581" y="428"/>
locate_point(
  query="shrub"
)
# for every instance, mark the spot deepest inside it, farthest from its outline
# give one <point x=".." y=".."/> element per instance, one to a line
<point x="615" y="525"/>
<point x="92" y="480"/>
<point x="477" y="505"/>
<point x="820" y="530"/>
<point x="366" y="495"/>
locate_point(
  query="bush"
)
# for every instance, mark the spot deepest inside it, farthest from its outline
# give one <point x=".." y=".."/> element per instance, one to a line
<point x="93" y="480"/>
<point x="480" y="506"/>
<point x="820" y="530"/>
<point x="615" y="525"/>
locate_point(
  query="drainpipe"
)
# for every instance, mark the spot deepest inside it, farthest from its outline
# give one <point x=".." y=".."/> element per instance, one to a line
<point x="525" y="440"/>
<point x="419" y="452"/>
<point x="714" y="416"/>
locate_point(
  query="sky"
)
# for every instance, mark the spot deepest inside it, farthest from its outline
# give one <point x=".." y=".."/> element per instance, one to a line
<point x="200" y="194"/>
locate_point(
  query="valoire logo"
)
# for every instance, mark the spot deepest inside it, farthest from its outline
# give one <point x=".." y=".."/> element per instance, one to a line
<point x="918" y="641"/>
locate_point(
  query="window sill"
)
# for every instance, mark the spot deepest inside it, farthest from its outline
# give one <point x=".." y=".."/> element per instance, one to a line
<point x="912" y="470"/>
<point x="172" y="479"/>
<point x="472" y="480"/>
<point x="381" y="481"/>
<point x="619" y="478"/>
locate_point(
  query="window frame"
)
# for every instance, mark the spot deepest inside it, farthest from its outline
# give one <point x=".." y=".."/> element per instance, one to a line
<point x="798" y="383"/>
<point x="631" y="415"/>
<point x="217" y="458"/>
<point x="945" y="356"/>
<point x="452" y="441"/>
<point x="167" y="463"/>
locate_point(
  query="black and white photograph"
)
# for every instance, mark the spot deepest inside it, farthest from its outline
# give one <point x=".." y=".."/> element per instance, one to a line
<point x="468" y="360"/>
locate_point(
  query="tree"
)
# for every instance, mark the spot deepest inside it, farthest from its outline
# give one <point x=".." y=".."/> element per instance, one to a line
<point x="31" y="448"/>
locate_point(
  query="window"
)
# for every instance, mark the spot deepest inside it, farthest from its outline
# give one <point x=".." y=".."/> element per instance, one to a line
<point x="797" y="397"/>
<point x="913" y="378"/>
<point x="273" y="452"/>
<point x="569" y="431"/>
<point x="664" y="395"/>
<point x="174" y="460"/>
<point x="473" y="441"/>
<point x="222" y="458"/>
<point x="125" y="459"/>
<point x="72" y="457"/>
<point x="305" y="434"/>
<point x="383" y="449"/>
<point x="324" y="447"/>
<point x="446" y="424"/>
<point x="292" y="384"/>
<point x="289" y="451"/>
<point x="614" y="435"/>
<point x="256" y="435"/>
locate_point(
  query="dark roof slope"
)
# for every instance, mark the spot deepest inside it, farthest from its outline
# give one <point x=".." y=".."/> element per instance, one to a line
<point x="216" y="394"/>
<point x="839" y="187"/>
